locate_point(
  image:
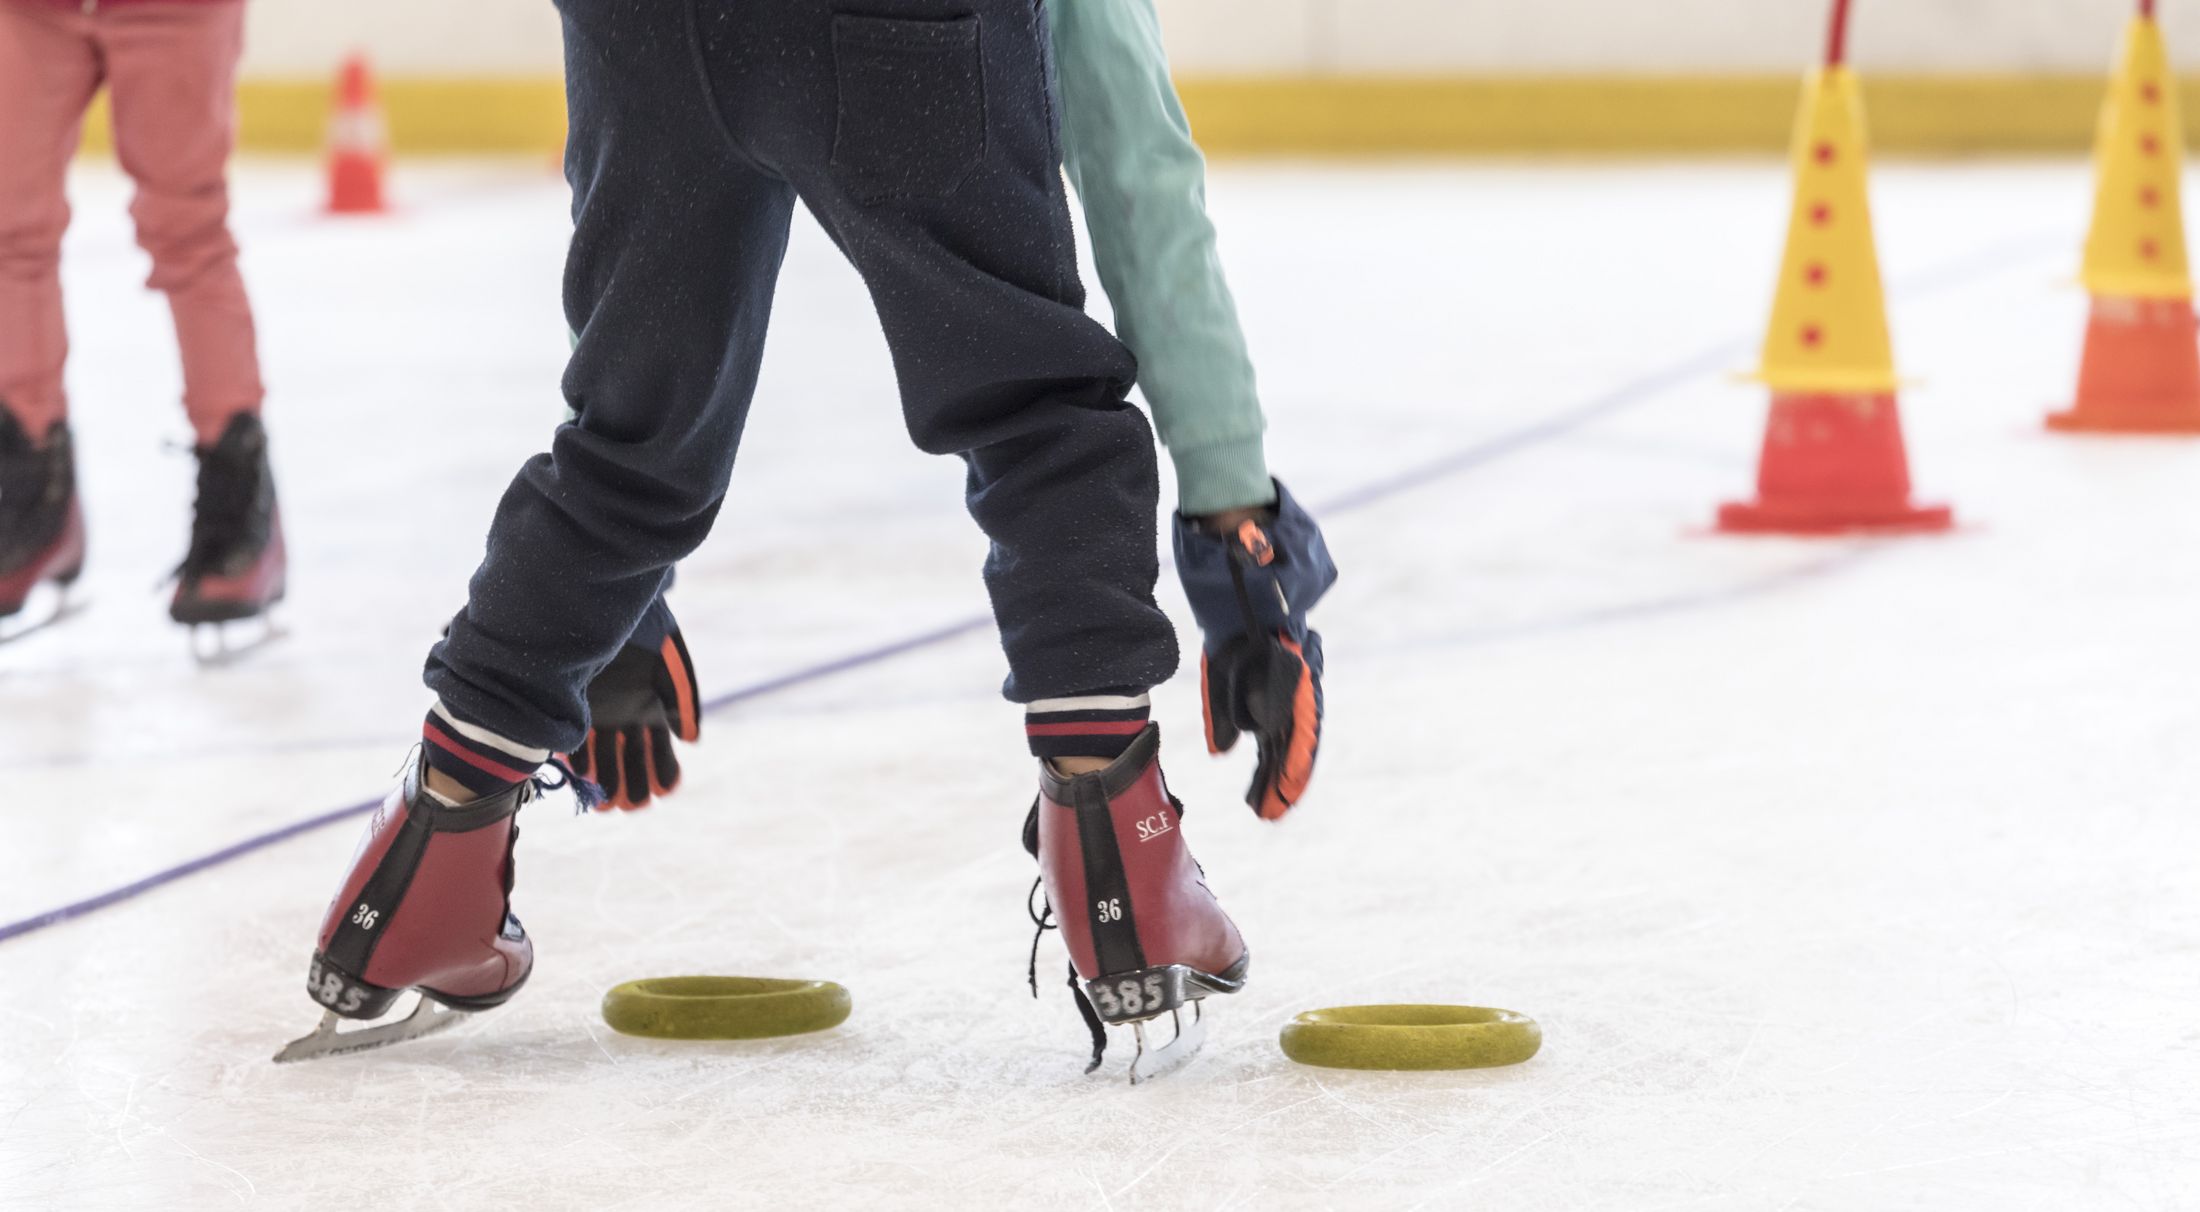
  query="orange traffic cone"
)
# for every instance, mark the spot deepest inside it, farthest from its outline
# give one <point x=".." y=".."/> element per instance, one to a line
<point x="1833" y="459"/>
<point x="356" y="151"/>
<point x="2141" y="370"/>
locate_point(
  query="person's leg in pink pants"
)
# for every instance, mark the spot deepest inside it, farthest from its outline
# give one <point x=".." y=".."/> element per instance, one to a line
<point x="172" y="77"/>
<point x="172" y="80"/>
<point x="171" y="73"/>
<point x="170" y="70"/>
<point x="49" y="69"/>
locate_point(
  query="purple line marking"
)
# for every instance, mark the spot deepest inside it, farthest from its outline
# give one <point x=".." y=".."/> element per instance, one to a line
<point x="114" y="896"/>
<point x="54" y="917"/>
<point x="1956" y="271"/>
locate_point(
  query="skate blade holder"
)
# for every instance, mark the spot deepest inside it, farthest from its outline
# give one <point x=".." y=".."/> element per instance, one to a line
<point x="213" y="647"/>
<point x="724" y="1007"/>
<point x="48" y="605"/>
<point x="1411" y="1037"/>
<point x="1135" y="999"/>
<point x="1148" y="1063"/>
<point x="427" y="1018"/>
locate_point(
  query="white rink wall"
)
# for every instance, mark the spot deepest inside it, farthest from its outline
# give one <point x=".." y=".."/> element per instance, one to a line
<point x="1272" y="37"/>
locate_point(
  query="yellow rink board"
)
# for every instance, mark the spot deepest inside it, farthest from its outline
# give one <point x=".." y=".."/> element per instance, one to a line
<point x="1343" y="115"/>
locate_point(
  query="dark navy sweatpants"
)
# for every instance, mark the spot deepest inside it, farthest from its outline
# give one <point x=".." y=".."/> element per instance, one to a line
<point x="921" y="135"/>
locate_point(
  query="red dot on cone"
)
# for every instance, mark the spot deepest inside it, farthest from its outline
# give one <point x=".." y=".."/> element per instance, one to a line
<point x="1812" y="336"/>
<point x="2148" y="249"/>
<point x="1815" y="274"/>
<point x="1821" y="214"/>
<point x="1824" y="152"/>
<point x="2150" y="92"/>
<point x="2149" y="144"/>
<point x="2150" y="197"/>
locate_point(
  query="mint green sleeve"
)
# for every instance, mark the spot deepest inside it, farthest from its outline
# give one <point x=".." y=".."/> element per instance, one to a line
<point x="1143" y="184"/>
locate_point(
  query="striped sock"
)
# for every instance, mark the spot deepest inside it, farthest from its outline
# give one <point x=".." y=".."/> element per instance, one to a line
<point x="1089" y="725"/>
<point x="474" y="757"/>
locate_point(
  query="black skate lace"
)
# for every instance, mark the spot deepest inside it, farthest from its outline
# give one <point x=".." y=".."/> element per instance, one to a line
<point x="1092" y="1021"/>
<point x="230" y="489"/>
<point x="511" y="868"/>
<point x="1043" y="918"/>
<point x="587" y="793"/>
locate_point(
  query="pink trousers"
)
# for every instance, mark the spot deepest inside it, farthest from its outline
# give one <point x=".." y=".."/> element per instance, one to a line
<point x="170" y="71"/>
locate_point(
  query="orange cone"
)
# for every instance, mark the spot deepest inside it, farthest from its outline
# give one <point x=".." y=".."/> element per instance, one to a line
<point x="357" y="153"/>
<point x="1833" y="460"/>
<point x="2141" y="371"/>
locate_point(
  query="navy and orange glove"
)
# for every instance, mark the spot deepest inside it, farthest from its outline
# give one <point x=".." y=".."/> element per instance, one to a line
<point x="1261" y="664"/>
<point x="642" y="700"/>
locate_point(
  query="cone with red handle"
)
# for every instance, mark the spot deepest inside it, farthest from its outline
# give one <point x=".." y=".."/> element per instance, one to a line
<point x="2141" y="370"/>
<point x="1834" y="460"/>
<point x="357" y="151"/>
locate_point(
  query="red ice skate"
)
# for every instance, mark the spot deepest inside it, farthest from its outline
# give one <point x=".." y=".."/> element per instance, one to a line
<point x="1145" y="936"/>
<point x="426" y="906"/>
<point x="41" y="524"/>
<point x="235" y="568"/>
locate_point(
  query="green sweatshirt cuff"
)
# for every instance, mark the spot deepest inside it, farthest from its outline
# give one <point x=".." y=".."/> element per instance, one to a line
<point x="1222" y="476"/>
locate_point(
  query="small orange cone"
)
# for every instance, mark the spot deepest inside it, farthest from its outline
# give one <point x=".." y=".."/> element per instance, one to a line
<point x="357" y="153"/>
<point x="2141" y="371"/>
<point x="1833" y="460"/>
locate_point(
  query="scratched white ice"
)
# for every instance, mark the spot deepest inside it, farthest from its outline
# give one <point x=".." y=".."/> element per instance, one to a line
<point x="1840" y="875"/>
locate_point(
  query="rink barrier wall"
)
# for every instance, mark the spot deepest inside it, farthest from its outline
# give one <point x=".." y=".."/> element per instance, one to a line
<point x="1938" y="114"/>
<point x="1629" y="115"/>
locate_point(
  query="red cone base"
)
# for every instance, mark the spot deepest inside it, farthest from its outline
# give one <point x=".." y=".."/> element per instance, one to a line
<point x="355" y="184"/>
<point x="2141" y="372"/>
<point x="1833" y="464"/>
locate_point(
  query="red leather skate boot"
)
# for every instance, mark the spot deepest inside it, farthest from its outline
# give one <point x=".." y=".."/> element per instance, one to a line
<point x="1145" y="936"/>
<point x="426" y="906"/>
<point x="235" y="567"/>
<point x="41" y="524"/>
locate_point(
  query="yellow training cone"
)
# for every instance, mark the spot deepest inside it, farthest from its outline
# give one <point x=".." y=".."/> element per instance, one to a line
<point x="1829" y="315"/>
<point x="1834" y="461"/>
<point x="2141" y="369"/>
<point x="2136" y="246"/>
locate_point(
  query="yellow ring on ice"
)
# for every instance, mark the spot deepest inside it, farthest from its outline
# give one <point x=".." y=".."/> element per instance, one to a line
<point x="1411" y="1037"/>
<point x="724" y="1007"/>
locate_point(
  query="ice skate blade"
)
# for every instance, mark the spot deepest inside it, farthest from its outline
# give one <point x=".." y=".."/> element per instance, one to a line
<point x="48" y="607"/>
<point x="1148" y="1064"/>
<point x="427" y="1018"/>
<point x="213" y="648"/>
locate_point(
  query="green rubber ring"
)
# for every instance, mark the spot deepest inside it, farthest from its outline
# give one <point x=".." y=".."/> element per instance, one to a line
<point x="724" y="1007"/>
<point x="1411" y="1037"/>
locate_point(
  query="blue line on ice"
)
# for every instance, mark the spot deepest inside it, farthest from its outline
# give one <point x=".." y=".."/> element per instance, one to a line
<point x="1715" y="359"/>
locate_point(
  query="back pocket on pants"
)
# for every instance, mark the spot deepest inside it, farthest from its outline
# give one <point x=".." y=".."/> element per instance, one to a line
<point x="912" y="106"/>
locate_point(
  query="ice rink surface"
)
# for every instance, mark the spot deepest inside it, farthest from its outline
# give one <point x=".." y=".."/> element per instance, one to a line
<point x="1840" y="875"/>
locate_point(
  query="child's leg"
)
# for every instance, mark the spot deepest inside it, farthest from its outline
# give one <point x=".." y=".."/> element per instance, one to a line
<point x="172" y="74"/>
<point x="926" y="147"/>
<point x="48" y="73"/>
<point x="668" y="284"/>
<point x="927" y="150"/>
